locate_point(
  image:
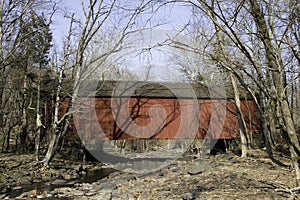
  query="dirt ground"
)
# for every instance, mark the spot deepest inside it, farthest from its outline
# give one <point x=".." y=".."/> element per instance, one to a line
<point x="224" y="176"/>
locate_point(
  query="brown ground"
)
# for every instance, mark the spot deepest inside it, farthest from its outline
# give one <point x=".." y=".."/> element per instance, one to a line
<point x="224" y="176"/>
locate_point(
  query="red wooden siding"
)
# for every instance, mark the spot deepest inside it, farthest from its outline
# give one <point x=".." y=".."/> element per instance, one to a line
<point x="97" y="117"/>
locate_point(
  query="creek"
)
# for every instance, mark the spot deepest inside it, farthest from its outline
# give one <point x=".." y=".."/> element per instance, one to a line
<point x="89" y="177"/>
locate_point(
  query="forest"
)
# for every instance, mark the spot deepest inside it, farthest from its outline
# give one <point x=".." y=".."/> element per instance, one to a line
<point x="51" y="55"/>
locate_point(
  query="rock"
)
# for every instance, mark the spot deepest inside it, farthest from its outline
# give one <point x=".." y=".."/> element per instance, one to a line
<point x="61" y="190"/>
<point x="197" y="168"/>
<point x="188" y="196"/>
<point x="61" y="196"/>
<point x="40" y="196"/>
<point x="195" y="171"/>
<point x="130" y="178"/>
<point x="38" y="180"/>
<point x="103" y="195"/>
<point x="47" y="183"/>
<point x="59" y="182"/>
<point x="177" y="169"/>
<point x="78" y="193"/>
<point x="73" y="182"/>
<point x="68" y="176"/>
<point x="44" y="195"/>
<point x="17" y="188"/>
<point x="105" y="186"/>
<point x="47" y="194"/>
<point x="86" y="187"/>
<point x="54" y="192"/>
<point x="79" y="184"/>
<point x="89" y="194"/>
<point x="28" y="195"/>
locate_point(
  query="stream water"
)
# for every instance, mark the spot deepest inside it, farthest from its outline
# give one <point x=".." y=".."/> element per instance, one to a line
<point x="89" y="177"/>
<point x="136" y="165"/>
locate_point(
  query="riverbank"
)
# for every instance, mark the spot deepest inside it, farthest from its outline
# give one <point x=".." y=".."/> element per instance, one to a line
<point x="21" y="173"/>
<point x="224" y="176"/>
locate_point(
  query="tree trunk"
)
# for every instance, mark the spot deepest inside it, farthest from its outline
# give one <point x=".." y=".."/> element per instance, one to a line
<point x="38" y="119"/>
<point x="241" y="121"/>
<point x="281" y="98"/>
<point x="38" y="136"/>
<point x="57" y="136"/>
<point x="51" y="147"/>
<point x="228" y="63"/>
<point x="298" y="95"/>
<point x="23" y="130"/>
<point x="266" y="135"/>
<point x="271" y="110"/>
<point x="55" y="132"/>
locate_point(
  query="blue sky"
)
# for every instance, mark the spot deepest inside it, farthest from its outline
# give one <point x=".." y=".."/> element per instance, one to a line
<point x="178" y="16"/>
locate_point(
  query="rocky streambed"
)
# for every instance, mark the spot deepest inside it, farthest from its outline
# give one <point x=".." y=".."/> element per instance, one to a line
<point x="22" y="176"/>
<point x="224" y="176"/>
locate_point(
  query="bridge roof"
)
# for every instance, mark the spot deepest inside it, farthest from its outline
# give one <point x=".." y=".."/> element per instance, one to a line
<point x="156" y="90"/>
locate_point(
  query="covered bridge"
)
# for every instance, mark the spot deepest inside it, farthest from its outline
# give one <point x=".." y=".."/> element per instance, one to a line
<point x="156" y="110"/>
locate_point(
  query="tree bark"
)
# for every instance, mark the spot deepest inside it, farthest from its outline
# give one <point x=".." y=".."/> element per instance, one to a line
<point x="241" y="121"/>
<point x="38" y="118"/>
<point x="281" y="98"/>
<point x="23" y="130"/>
<point x="56" y="134"/>
<point x="228" y="62"/>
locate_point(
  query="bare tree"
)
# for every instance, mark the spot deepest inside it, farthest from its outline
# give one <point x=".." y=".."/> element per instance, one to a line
<point x="266" y="65"/>
<point x="20" y="30"/>
<point x="228" y="62"/>
<point x="99" y="17"/>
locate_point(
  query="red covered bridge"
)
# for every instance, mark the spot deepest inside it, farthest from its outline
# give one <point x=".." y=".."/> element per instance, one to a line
<point x="151" y="110"/>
